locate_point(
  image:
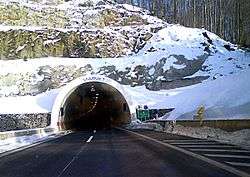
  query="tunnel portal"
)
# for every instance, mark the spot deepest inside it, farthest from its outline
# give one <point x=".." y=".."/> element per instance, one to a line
<point x="94" y="105"/>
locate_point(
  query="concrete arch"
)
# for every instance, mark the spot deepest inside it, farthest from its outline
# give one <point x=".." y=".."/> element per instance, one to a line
<point x="57" y="119"/>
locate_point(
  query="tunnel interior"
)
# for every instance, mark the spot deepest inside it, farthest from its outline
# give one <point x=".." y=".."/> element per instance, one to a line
<point x="94" y="105"/>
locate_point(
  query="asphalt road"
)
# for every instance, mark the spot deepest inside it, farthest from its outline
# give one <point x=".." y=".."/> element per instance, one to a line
<point x="110" y="153"/>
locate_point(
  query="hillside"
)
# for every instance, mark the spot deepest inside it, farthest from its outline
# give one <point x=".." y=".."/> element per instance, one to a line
<point x="44" y="46"/>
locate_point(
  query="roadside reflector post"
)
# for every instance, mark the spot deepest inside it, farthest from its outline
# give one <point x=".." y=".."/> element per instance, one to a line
<point x="200" y="114"/>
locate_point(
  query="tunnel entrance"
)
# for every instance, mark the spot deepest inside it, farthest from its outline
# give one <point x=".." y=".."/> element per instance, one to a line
<point x="94" y="105"/>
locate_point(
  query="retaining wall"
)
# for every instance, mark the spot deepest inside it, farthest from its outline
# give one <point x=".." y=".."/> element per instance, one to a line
<point x="10" y="122"/>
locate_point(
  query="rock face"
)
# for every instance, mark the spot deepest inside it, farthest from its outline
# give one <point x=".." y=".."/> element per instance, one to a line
<point x="154" y="77"/>
<point x="42" y="43"/>
<point x="95" y="31"/>
<point x="78" y="16"/>
<point x="147" y="50"/>
<point x="23" y="121"/>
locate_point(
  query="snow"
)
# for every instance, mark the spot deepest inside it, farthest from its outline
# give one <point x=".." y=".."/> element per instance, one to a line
<point x="20" y="141"/>
<point x="171" y="63"/>
<point x="20" y="48"/>
<point x="41" y="103"/>
<point x="169" y="41"/>
<point x="179" y="40"/>
<point x="51" y="41"/>
<point x="151" y="71"/>
<point x="7" y="90"/>
<point x="224" y="98"/>
<point x="21" y="66"/>
<point x="132" y="8"/>
<point x="225" y="64"/>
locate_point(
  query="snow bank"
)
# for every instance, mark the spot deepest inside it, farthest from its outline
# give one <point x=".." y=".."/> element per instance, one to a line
<point x="240" y="138"/>
<point x="137" y="124"/>
<point x="17" y="142"/>
<point x="41" y="103"/>
<point x="224" y="98"/>
<point x="191" y="43"/>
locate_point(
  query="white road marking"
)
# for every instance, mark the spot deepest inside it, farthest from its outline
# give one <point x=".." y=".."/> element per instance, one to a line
<point x="203" y="158"/>
<point x="194" y="140"/>
<point x="195" y="143"/>
<point x="206" y="146"/>
<point x="228" y="156"/>
<point x="218" y="150"/>
<point x="72" y="160"/>
<point x="90" y="138"/>
<point x="239" y="164"/>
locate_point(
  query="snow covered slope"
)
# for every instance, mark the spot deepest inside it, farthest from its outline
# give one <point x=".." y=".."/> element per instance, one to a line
<point x="224" y="98"/>
<point x="174" y="66"/>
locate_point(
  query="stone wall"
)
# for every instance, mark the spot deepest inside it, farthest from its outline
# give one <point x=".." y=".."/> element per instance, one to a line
<point x="24" y="121"/>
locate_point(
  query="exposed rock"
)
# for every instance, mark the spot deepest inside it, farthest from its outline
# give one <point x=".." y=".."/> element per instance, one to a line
<point x="172" y="84"/>
<point x="209" y="40"/>
<point x="85" y="14"/>
<point x="23" y="121"/>
<point x="48" y="77"/>
<point x="42" y="43"/>
<point x="229" y="47"/>
<point x="101" y="29"/>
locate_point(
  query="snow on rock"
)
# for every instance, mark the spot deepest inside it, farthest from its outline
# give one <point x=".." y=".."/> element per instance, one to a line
<point x="9" y="90"/>
<point x="14" y="143"/>
<point x="147" y="126"/>
<point x="224" y="98"/>
<point x="193" y="43"/>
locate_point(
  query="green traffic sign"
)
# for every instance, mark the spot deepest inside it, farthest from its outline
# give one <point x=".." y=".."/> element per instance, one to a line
<point x="143" y="115"/>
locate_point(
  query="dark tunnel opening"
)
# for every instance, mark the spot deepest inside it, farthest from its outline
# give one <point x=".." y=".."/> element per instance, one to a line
<point x="95" y="105"/>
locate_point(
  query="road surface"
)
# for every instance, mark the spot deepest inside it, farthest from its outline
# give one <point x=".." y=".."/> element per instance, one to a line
<point x="106" y="153"/>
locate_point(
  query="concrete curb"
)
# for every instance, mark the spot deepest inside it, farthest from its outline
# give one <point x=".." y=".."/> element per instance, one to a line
<point x="205" y="159"/>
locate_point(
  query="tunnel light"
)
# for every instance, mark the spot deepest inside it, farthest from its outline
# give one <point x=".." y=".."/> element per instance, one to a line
<point x="92" y="88"/>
